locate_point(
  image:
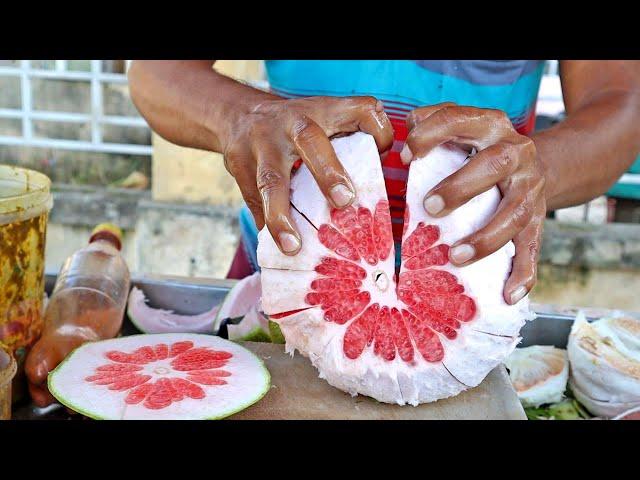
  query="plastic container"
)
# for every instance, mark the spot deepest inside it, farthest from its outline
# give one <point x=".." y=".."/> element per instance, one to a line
<point x="90" y="294"/>
<point x="7" y="372"/>
<point x="25" y="201"/>
<point x="87" y="304"/>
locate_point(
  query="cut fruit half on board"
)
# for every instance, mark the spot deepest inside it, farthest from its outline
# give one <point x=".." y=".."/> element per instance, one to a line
<point x="430" y="333"/>
<point x="539" y="374"/>
<point x="172" y="376"/>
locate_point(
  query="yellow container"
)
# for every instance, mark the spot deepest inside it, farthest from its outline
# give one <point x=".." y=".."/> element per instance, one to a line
<point x="7" y="372"/>
<point x="25" y="201"/>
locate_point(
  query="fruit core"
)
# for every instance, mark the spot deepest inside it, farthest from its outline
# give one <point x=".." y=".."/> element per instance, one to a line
<point x="352" y="287"/>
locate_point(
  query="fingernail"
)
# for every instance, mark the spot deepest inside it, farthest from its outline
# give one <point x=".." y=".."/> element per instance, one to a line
<point x="518" y="294"/>
<point x="289" y="242"/>
<point x="405" y="154"/>
<point x="462" y="253"/>
<point x="341" y="195"/>
<point x="433" y="204"/>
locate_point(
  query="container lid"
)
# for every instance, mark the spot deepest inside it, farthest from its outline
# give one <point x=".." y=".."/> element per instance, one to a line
<point x="107" y="231"/>
<point x="22" y="190"/>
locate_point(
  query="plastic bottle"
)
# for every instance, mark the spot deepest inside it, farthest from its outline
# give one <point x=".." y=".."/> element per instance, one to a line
<point x="87" y="304"/>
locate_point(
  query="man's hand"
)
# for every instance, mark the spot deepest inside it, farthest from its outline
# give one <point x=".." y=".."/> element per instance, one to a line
<point x="265" y="142"/>
<point x="504" y="158"/>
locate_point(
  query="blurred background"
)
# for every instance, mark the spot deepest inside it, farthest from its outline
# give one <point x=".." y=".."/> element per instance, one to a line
<point x="74" y="121"/>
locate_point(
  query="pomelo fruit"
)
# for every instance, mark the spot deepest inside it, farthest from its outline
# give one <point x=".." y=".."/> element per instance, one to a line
<point x="429" y="333"/>
<point x="633" y="414"/>
<point x="539" y="374"/>
<point x="605" y="364"/>
<point x="160" y="376"/>
<point x="156" y="320"/>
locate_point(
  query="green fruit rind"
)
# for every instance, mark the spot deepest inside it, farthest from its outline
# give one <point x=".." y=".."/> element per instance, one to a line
<point x="255" y="335"/>
<point x="275" y="332"/>
<point x="72" y="406"/>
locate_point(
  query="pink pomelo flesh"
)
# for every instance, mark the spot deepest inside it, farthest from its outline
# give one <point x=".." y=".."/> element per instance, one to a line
<point x="172" y="376"/>
<point x="427" y="333"/>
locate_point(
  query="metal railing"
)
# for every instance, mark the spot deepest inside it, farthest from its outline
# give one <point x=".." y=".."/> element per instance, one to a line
<point x="96" y="118"/>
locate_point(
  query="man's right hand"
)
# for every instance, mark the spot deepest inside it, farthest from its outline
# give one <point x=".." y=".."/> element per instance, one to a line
<point x="264" y="143"/>
<point x="260" y="134"/>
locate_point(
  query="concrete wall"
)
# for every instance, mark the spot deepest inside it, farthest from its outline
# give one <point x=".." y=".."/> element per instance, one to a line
<point x="194" y="176"/>
<point x="186" y="225"/>
<point x="585" y="265"/>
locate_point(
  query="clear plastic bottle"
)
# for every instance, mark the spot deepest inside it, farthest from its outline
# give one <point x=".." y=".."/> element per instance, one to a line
<point x="87" y="304"/>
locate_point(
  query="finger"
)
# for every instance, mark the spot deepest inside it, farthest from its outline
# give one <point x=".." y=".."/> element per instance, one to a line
<point x="482" y="172"/>
<point x="273" y="184"/>
<point x="352" y="114"/>
<point x="512" y="216"/>
<point x="525" y="262"/>
<point x="316" y="151"/>
<point x="243" y="169"/>
<point x="419" y="114"/>
<point x="42" y="359"/>
<point x="465" y="126"/>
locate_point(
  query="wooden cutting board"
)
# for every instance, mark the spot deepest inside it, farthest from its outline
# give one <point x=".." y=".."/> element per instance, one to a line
<point x="297" y="393"/>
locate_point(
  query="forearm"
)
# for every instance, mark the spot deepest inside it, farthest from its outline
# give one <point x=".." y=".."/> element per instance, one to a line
<point x="585" y="154"/>
<point x="188" y="103"/>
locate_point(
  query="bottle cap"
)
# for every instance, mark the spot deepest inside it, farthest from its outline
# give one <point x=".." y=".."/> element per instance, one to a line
<point x="109" y="232"/>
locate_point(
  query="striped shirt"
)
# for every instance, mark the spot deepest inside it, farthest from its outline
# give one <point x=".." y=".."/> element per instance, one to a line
<point x="403" y="85"/>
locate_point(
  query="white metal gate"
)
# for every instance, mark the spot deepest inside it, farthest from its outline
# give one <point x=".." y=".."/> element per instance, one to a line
<point x="550" y="94"/>
<point x="96" y="118"/>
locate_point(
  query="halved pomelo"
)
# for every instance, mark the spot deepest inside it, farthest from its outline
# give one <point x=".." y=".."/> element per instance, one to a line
<point x="156" y="320"/>
<point x="539" y="374"/>
<point x="605" y="363"/>
<point x="160" y="376"/>
<point x="428" y="334"/>
<point x="633" y="414"/>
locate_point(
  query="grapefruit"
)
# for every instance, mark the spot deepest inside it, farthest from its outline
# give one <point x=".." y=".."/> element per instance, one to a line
<point x="160" y="376"/>
<point x="427" y="333"/>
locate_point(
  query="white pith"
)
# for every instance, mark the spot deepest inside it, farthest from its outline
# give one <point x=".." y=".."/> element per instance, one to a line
<point x="605" y="364"/>
<point x="248" y="382"/>
<point x="539" y="374"/>
<point x="480" y="344"/>
<point x="156" y="320"/>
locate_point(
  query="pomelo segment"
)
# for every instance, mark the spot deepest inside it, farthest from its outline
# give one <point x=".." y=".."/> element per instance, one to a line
<point x="155" y="320"/>
<point x="160" y="376"/>
<point x="429" y="334"/>
<point x="539" y="374"/>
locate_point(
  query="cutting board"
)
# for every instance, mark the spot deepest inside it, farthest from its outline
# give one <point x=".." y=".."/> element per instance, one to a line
<point x="297" y="393"/>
